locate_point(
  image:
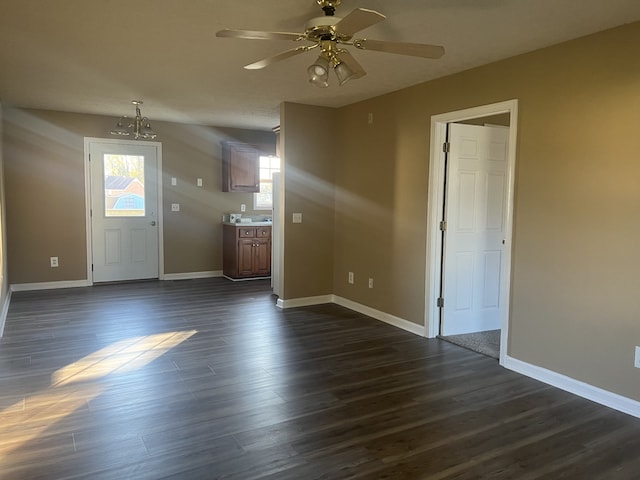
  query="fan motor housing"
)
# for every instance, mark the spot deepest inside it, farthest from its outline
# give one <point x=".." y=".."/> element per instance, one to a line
<point x="323" y="28"/>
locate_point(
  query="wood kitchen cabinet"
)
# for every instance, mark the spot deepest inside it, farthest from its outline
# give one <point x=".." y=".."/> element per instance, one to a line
<point x="240" y="168"/>
<point x="246" y="251"/>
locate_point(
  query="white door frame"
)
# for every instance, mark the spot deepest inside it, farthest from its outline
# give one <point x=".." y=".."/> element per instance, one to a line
<point x="276" y="237"/>
<point x="434" y="214"/>
<point x="87" y="198"/>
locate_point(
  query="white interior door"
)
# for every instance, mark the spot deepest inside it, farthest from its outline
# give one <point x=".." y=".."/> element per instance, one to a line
<point x="476" y="217"/>
<point x="124" y="211"/>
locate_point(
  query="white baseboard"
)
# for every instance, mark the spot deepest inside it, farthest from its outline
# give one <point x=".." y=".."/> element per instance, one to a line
<point x="382" y="316"/>
<point x="357" y="307"/>
<point x="595" y="394"/>
<point x="304" y="301"/>
<point x="4" y="311"/>
<point x="23" y="287"/>
<point x="192" y="275"/>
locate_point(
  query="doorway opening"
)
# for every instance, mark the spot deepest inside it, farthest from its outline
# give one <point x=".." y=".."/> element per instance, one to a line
<point x="470" y="226"/>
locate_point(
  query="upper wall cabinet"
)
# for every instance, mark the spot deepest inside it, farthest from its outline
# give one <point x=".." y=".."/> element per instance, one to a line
<point x="240" y="168"/>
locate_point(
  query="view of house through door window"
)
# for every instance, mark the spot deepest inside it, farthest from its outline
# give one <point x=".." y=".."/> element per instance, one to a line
<point x="124" y="185"/>
<point x="264" y="199"/>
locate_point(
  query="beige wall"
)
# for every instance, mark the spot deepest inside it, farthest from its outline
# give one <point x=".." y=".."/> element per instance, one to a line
<point x="308" y="152"/>
<point x="574" y="298"/>
<point x="44" y="156"/>
<point x="381" y="208"/>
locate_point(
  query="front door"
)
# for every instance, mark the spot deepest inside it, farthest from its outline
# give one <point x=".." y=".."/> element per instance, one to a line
<point x="124" y="211"/>
<point x="476" y="219"/>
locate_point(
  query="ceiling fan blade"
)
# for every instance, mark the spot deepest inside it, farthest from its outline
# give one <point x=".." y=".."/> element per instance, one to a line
<point x="265" y="62"/>
<point x="411" y="49"/>
<point x="357" y="20"/>
<point x="352" y="63"/>
<point x="257" y="35"/>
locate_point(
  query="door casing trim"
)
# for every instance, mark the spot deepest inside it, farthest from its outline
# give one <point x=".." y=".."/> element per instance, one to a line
<point x="87" y="198"/>
<point x="436" y="198"/>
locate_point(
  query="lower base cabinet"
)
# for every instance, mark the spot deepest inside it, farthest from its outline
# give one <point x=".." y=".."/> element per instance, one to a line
<point x="246" y="251"/>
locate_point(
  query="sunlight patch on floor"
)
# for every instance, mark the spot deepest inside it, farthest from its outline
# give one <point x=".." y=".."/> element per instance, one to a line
<point x="75" y="384"/>
<point x="120" y="357"/>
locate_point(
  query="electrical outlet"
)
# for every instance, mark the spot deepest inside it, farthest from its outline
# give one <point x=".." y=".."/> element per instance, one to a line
<point x="54" y="262"/>
<point x="371" y="283"/>
<point x="243" y="207"/>
<point x="297" y="218"/>
<point x="636" y="363"/>
<point x="199" y="182"/>
<point x="350" y="277"/>
<point x="175" y="207"/>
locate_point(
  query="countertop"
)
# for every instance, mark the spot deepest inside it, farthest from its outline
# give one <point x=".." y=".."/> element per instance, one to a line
<point x="250" y="224"/>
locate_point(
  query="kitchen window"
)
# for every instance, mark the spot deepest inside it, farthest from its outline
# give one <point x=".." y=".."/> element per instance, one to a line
<point x="263" y="200"/>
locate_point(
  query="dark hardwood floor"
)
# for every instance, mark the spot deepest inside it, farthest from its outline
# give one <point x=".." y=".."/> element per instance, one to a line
<point x="207" y="379"/>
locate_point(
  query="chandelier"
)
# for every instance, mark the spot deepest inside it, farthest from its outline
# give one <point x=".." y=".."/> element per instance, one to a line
<point x="138" y="127"/>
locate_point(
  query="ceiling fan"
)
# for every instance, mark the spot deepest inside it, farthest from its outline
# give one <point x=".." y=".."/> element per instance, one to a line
<point x="329" y="33"/>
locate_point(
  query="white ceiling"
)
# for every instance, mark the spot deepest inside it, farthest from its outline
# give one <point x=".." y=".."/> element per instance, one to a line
<point x="95" y="56"/>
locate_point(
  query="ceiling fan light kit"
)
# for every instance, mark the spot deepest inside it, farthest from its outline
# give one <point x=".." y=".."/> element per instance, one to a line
<point x="139" y="126"/>
<point x="319" y="72"/>
<point x="327" y="33"/>
<point x="344" y="73"/>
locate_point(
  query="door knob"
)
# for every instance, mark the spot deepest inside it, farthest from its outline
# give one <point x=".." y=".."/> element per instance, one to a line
<point x="153" y="223"/>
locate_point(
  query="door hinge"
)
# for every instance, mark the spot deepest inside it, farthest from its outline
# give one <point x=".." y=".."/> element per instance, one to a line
<point x="443" y="226"/>
<point x="92" y="267"/>
<point x="446" y="147"/>
<point x="440" y="303"/>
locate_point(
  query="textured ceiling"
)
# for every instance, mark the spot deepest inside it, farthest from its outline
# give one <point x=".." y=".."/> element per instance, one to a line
<point x="95" y="56"/>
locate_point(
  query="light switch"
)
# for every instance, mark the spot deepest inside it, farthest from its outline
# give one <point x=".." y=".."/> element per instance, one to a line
<point x="199" y="182"/>
<point x="174" y="181"/>
<point x="297" y="218"/>
<point x="175" y="207"/>
<point x="243" y="207"/>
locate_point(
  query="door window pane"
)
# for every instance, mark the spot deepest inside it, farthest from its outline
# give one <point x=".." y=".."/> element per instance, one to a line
<point x="123" y="185"/>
